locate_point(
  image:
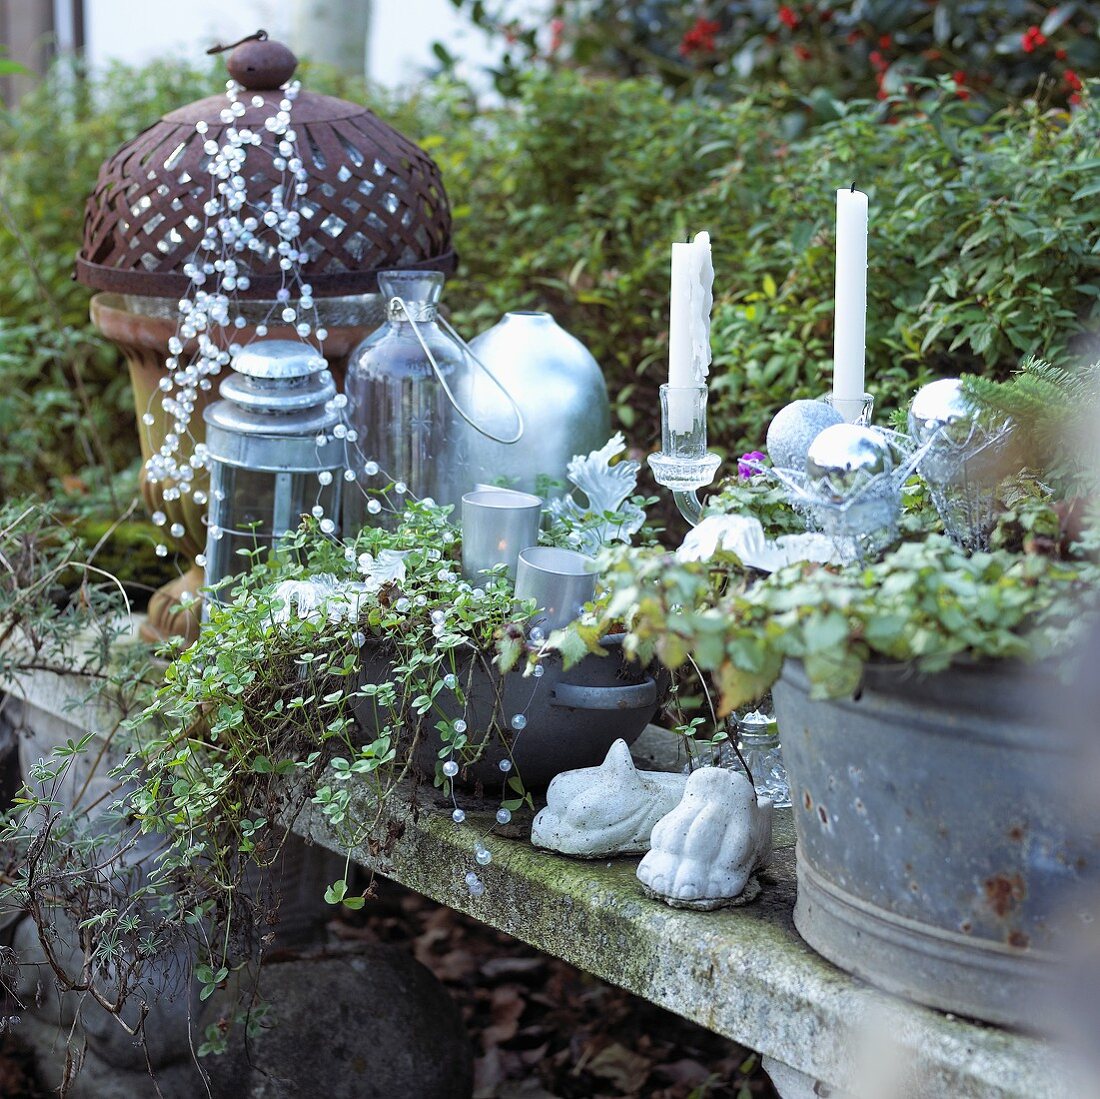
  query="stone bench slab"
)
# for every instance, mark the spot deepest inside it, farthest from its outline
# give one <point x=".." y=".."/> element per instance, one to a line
<point x="744" y="973"/>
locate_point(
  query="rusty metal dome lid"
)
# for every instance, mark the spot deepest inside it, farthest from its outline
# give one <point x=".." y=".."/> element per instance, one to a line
<point x="375" y="200"/>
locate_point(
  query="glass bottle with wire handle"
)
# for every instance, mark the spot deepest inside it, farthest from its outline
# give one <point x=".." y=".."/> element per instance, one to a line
<point x="402" y="386"/>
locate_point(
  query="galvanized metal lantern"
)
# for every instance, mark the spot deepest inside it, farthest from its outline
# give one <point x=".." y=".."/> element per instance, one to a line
<point x="273" y="454"/>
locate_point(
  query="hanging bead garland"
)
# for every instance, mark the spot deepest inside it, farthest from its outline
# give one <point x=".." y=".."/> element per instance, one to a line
<point x="235" y="226"/>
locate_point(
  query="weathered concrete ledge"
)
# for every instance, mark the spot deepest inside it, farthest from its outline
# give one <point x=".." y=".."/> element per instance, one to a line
<point x="743" y="973"/>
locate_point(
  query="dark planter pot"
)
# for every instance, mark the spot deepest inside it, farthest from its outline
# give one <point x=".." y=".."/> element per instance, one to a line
<point x="937" y="856"/>
<point x="573" y="717"/>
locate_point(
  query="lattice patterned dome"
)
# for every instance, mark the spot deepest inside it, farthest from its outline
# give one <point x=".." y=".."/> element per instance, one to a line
<point x="375" y="201"/>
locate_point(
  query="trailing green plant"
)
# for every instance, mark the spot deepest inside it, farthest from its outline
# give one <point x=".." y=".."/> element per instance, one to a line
<point x="926" y="602"/>
<point x="754" y="493"/>
<point x="323" y="667"/>
<point x="276" y="684"/>
<point x="322" y="659"/>
<point x="63" y="856"/>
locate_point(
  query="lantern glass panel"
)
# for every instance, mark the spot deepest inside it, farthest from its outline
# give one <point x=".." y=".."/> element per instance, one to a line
<point x="266" y="461"/>
<point x="253" y="507"/>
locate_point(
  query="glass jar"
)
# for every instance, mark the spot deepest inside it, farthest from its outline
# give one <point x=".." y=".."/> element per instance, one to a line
<point x="398" y="403"/>
<point x="758" y="740"/>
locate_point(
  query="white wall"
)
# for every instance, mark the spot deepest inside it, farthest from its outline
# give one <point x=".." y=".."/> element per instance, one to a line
<point x="400" y="39"/>
<point x="138" y="31"/>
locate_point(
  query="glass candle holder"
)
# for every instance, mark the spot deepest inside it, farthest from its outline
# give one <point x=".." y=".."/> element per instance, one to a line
<point x="854" y="410"/>
<point x="683" y="463"/>
<point x="496" y="525"/>
<point x="560" y="581"/>
<point x="758" y="740"/>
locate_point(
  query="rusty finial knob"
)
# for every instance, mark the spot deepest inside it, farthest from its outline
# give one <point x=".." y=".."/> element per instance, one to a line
<point x="259" y="64"/>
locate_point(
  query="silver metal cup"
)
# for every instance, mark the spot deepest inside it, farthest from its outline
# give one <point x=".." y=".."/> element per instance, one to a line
<point x="560" y="581"/>
<point x="496" y="525"/>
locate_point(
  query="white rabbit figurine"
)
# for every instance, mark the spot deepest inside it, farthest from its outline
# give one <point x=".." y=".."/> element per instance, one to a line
<point x="704" y="853"/>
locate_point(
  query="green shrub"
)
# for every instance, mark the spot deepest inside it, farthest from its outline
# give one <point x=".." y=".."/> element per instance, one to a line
<point x="49" y="432"/>
<point x="984" y="247"/>
<point x="810" y="49"/>
<point x="51" y="147"/>
<point x="981" y="251"/>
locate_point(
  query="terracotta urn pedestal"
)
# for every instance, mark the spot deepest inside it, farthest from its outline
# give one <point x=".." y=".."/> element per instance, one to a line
<point x="141" y="328"/>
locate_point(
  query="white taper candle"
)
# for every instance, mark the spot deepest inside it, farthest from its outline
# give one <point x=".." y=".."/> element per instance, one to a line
<point x="850" y="319"/>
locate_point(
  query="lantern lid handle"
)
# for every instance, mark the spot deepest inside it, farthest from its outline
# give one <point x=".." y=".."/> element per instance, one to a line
<point x="279" y="359"/>
<point x="258" y="63"/>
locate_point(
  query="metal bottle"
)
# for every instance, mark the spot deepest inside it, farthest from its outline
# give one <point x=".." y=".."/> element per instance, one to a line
<point x="560" y="390"/>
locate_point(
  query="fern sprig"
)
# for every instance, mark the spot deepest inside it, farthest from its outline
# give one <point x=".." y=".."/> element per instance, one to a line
<point x="1056" y="409"/>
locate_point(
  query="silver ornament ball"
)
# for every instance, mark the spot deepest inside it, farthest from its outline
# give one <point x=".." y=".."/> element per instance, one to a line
<point x="794" y="428"/>
<point x="941" y="406"/>
<point x="844" y="458"/>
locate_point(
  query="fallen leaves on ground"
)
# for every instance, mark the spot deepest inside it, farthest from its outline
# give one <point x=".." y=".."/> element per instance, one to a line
<point x="18" y="1079"/>
<point x="545" y="1030"/>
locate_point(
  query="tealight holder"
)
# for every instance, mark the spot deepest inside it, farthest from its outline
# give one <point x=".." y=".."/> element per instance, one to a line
<point x="560" y="581"/>
<point x="684" y="465"/>
<point x="854" y="410"/>
<point x="496" y="524"/>
<point x="962" y="471"/>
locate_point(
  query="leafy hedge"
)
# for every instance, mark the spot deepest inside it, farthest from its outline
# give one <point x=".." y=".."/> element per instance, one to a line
<point x="984" y="246"/>
<point x="984" y="243"/>
<point x="992" y="51"/>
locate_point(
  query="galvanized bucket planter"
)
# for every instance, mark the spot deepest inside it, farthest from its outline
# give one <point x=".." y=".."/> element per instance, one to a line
<point x="936" y="858"/>
<point x="573" y="717"/>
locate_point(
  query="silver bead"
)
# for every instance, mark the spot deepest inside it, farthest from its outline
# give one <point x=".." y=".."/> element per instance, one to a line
<point x="844" y="457"/>
<point x="794" y="428"/>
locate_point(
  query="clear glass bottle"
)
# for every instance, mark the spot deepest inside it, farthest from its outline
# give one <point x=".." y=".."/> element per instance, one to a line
<point x="398" y="402"/>
<point x="758" y="739"/>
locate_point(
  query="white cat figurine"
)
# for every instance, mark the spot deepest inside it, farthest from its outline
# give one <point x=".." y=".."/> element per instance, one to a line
<point x="594" y="812"/>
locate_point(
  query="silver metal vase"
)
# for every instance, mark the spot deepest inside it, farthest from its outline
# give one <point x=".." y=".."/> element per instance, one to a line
<point x="560" y="389"/>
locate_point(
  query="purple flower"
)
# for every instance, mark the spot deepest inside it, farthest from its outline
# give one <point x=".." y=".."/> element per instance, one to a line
<point x="750" y="464"/>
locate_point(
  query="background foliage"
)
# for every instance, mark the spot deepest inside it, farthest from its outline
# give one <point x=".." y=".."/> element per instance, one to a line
<point x="847" y="48"/>
<point x="984" y="240"/>
<point x="983" y="245"/>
